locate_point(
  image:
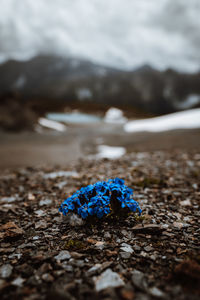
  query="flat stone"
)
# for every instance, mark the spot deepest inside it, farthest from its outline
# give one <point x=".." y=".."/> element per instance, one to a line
<point x="47" y="277"/>
<point x="186" y="202"/>
<point x="15" y="255"/>
<point x="39" y="213"/>
<point x="100" y="245"/>
<point x="155" y="292"/>
<point x="126" y="248"/>
<point x="73" y="219"/>
<point x="18" y="281"/>
<point x="138" y="279"/>
<point x="137" y="248"/>
<point x="67" y="267"/>
<point x="6" y="271"/>
<point x="10" y="229"/>
<point x="178" y="225"/>
<point x="9" y="199"/>
<point x="93" y="270"/>
<point x="107" y="235"/>
<point x="148" y="228"/>
<point x="41" y="225"/>
<point x="148" y="248"/>
<point x="108" y="279"/>
<point x="61" y="184"/>
<point x="77" y="263"/>
<point x="125" y="255"/>
<point x="54" y="175"/>
<point x="45" y="202"/>
<point x="153" y="257"/>
<point x="63" y="255"/>
<point x="31" y="197"/>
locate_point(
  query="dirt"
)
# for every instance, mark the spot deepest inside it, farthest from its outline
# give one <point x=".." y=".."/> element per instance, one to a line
<point x="52" y="148"/>
<point x="155" y="256"/>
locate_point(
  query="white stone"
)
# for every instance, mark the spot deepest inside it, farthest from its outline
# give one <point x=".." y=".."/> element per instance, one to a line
<point x="186" y="202"/>
<point x="94" y="269"/>
<point x="18" y="281"/>
<point x="39" y="213"/>
<point x="45" y="202"/>
<point x="54" y="175"/>
<point x="108" y="279"/>
<point x="126" y="248"/>
<point x="155" y="292"/>
<point x="63" y="255"/>
<point x="6" y="271"/>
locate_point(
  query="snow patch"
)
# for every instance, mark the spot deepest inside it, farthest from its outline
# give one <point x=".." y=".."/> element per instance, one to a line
<point x="189" y="102"/>
<point x="189" y="119"/>
<point x="114" y="115"/>
<point x="52" y="124"/>
<point x="110" y="152"/>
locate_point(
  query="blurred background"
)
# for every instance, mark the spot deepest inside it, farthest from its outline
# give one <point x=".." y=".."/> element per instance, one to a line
<point x="97" y="78"/>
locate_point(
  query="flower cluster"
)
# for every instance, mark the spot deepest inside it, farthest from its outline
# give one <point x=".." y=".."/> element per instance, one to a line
<point x="100" y="199"/>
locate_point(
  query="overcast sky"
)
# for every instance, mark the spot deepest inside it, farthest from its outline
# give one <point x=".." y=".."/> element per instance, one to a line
<point x="122" y="33"/>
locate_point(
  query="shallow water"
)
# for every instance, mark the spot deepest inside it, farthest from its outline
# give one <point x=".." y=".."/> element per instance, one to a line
<point x="73" y="118"/>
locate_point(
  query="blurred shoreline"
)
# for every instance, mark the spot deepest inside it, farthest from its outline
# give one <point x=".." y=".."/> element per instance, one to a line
<point x="52" y="148"/>
<point x="52" y="83"/>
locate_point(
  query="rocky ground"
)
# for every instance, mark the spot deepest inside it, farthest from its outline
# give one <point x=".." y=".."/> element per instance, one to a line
<point x="155" y="256"/>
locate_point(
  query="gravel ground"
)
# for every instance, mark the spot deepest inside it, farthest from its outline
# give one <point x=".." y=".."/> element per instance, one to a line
<point x="155" y="256"/>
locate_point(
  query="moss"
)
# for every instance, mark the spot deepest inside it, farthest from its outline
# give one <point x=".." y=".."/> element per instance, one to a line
<point x="195" y="174"/>
<point x="139" y="218"/>
<point x="148" y="181"/>
<point x="75" y="245"/>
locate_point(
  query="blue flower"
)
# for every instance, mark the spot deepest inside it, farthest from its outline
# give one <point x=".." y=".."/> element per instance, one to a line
<point x="83" y="211"/>
<point x="98" y="199"/>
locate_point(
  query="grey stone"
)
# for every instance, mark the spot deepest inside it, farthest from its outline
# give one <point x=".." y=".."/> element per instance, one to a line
<point x="107" y="235"/>
<point x="138" y="279"/>
<point x="45" y="202"/>
<point x="126" y="248"/>
<point x="100" y="245"/>
<point x="67" y="267"/>
<point x="54" y="175"/>
<point x="9" y="199"/>
<point x="6" y="271"/>
<point x="108" y="279"/>
<point x="148" y="248"/>
<point x="155" y="292"/>
<point x="39" y="213"/>
<point x="73" y="219"/>
<point x="15" y="255"/>
<point x="61" y="184"/>
<point x="137" y="248"/>
<point x="125" y="255"/>
<point x="93" y="270"/>
<point x="63" y="255"/>
<point x="18" y="281"/>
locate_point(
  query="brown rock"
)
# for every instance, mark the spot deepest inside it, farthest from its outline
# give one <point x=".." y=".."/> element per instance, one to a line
<point x="10" y="229"/>
<point x="148" y="229"/>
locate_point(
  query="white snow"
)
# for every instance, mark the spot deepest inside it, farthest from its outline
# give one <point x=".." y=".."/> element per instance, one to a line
<point x="110" y="152"/>
<point x="189" y="119"/>
<point x="114" y="115"/>
<point x="189" y="102"/>
<point x="52" y="124"/>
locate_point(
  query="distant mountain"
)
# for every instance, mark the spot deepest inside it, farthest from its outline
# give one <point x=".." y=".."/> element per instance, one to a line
<point x="62" y="81"/>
